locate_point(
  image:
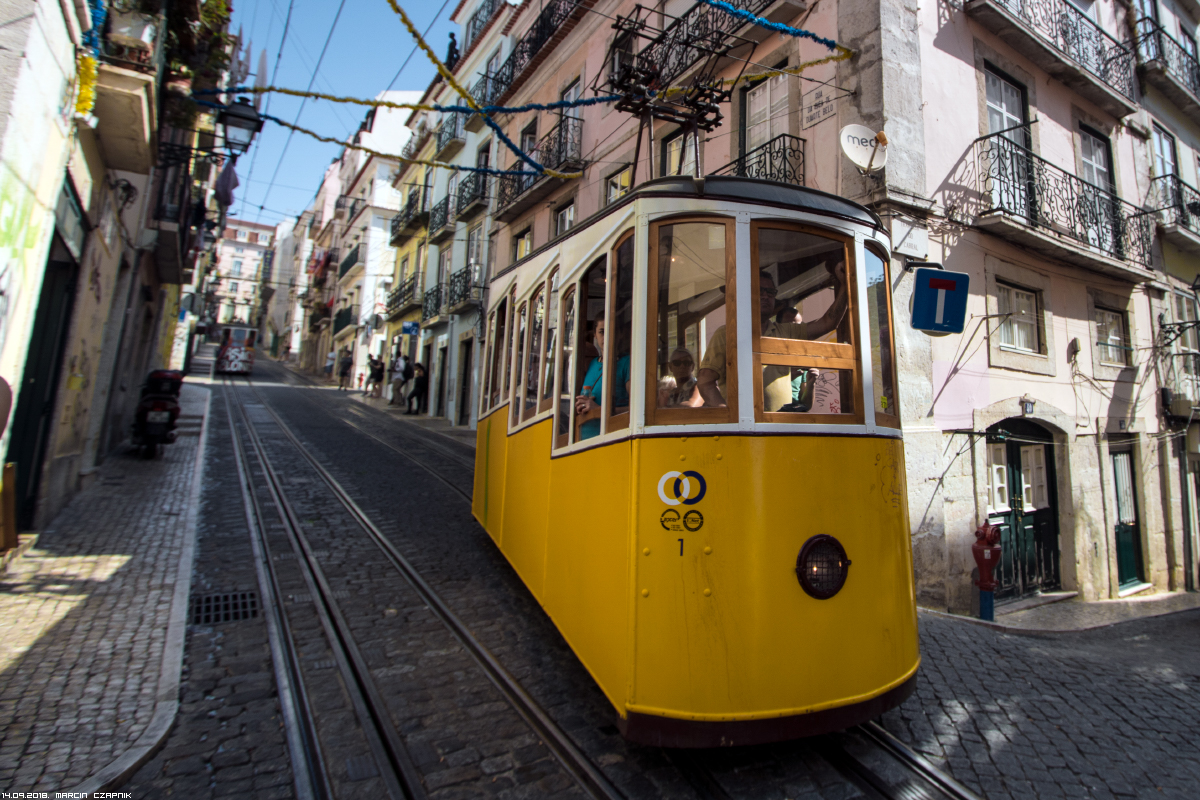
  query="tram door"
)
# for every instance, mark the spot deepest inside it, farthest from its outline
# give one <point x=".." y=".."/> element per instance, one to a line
<point x="1021" y="501"/>
<point x="1129" y="550"/>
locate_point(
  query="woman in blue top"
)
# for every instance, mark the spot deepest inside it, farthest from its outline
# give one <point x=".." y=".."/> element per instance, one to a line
<point x="593" y="385"/>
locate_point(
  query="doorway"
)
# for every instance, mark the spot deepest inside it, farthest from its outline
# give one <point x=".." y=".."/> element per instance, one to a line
<point x="427" y="361"/>
<point x="465" y="350"/>
<point x="1126" y="531"/>
<point x="1022" y="501"/>
<point x="39" y="382"/>
<point x="441" y="381"/>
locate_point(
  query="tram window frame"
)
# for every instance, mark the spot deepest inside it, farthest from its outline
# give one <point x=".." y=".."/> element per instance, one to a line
<point x="704" y="414"/>
<point x="769" y="351"/>
<point x="485" y="394"/>
<point x="566" y="369"/>
<point x="884" y="418"/>
<point x="579" y="373"/>
<point x="550" y="365"/>
<point x="532" y="348"/>
<point x="499" y="353"/>
<point x="506" y="366"/>
<point x="618" y="421"/>
<point x="517" y="365"/>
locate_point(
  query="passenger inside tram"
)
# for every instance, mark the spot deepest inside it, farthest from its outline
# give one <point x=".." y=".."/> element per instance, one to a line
<point x="678" y="390"/>
<point x="587" y="404"/>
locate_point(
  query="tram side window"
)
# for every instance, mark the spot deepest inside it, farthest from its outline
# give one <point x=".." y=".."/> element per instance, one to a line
<point x="485" y="396"/>
<point x="506" y="367"/>
<point x="692" y="357"/>
<point x="547" y="397"/>
<point x="537" y="318"/>
<point x="499" y="342"/>
<point x="804" y="329"/>
<point x="566" y="393"/>
<point x="619" y="338"/>
<point x="588" y="373"/>
<point x="883" y="367"/>
<point x="519" y="360"/>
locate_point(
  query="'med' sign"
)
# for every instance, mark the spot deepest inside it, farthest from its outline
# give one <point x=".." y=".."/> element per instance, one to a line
<point x="939" y="301"/>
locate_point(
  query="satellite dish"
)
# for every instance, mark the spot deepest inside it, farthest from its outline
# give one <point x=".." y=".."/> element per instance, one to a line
<point x="376" y="322"/>
<point x="866" y="148"/>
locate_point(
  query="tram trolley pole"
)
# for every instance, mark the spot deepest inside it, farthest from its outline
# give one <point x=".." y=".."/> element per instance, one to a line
<point x="986" y="551"/>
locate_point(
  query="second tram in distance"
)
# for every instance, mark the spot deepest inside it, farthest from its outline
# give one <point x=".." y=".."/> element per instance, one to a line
<point x="690" y="451"/>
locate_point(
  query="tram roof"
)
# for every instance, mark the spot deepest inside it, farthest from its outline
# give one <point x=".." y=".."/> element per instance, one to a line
<point x="755" y="190"/>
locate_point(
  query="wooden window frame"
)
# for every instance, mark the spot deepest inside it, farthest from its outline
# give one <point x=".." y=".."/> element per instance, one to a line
<point x="703" y="415"/>
<point x="517" y="363"/>
<point x="564" y="439"/>
<point x="506" y="367"/>
<point x="610" y="421"/>
<point x="883" y="418"/>
<point x="804" y="353"/>
<point x="529" y="412"/>
<point x="485" y="395"/>
<point x="604" y="262"/>
<point x="547" y="394"/>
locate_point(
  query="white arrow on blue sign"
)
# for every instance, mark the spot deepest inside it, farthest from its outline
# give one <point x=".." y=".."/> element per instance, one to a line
<point x="939" y="301"/>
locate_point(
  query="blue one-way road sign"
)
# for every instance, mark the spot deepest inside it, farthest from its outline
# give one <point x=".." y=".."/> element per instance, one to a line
<point x="939" y="301"/>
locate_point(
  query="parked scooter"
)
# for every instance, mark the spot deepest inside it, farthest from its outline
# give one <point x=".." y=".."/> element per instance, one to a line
<point x="157" y="411"/>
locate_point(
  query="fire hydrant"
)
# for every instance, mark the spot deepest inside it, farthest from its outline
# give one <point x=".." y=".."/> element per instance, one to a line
<point x="987" y="557"/>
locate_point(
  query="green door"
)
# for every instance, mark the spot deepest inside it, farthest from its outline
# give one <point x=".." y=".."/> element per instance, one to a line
<point x="1021" y="502"/>
<point x="1129" y="549"/>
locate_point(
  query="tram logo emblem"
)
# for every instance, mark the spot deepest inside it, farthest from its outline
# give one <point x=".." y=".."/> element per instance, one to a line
<point x="687" y="488"/>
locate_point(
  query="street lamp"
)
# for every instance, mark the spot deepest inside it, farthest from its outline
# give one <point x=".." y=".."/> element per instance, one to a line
<point x="241" y="122"/>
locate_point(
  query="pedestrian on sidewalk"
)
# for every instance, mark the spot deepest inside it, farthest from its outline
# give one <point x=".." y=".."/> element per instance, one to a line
<point x="374" y="386"/>
<point x="330" y="360"/>
<point x="400" y="376"/>
<point x="420" y="388"/>
<point x="344" y="369"/>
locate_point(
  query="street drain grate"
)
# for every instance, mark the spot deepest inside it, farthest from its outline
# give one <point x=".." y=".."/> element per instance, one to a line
<point x="231" y="607"/>
<point x="359" y="768"/>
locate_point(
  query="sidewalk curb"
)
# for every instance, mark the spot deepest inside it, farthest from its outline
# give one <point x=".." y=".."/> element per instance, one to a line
<point x="125" y="765"/>
<point x="996" y="626"/>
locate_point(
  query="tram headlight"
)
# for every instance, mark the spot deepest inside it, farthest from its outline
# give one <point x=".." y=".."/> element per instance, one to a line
<point x="822" y="566"/>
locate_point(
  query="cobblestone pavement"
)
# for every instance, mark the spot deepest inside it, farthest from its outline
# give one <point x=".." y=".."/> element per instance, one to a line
<point x="228" y="739"/>
<point x="1106" y="713"/>
<point x="84" y="616"/>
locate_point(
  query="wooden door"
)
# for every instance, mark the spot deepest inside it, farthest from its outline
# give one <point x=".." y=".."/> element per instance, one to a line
<point x="1129" y="546"/>
<point x="1021" y="503"/>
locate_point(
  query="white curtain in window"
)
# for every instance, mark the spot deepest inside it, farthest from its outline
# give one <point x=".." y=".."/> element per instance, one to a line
<point x="997" y="478"/>
<point x="766" y="112"/>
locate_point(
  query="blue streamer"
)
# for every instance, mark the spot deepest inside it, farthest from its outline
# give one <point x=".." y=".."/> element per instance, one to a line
<point x="91" y="37"/>
<point x="778" y="27"/>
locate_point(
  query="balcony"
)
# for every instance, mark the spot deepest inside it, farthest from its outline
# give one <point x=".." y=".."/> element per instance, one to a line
<point x="484" y="92"/>
<point x="472" y="196"/>
<point x="131" y="65"/>
<point x="551" y="26"/>
<point x="464" y="290"/>
<point x="1178" y="207"/>
<point x="781" y="160"/>
<point x="352" y="260"/>
<point x="411" y="217"/>
<point x="433" y="307"/>
<point x="1166" y="65"/>
<point x="416" y="141"/>
<point x="1065" y="42"/>
<point x="345" y="318"/>
<point x="173" y="211"/>
<point x="561" y="149"/>
<point x="1028" y="200"/>
<point x="478" y="23"/>
<point x="317" y="317"/>
<point x="450" y="137"/>
<point x="408" y="297"/>
<point x="441" y="220"/>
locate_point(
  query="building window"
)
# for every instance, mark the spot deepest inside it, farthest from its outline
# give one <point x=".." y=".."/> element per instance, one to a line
<point x="1019" y="328"/>
<point x="1164" y="152"/>
<point x="617" y="185"/>
<point x="241" y="236"/>
<point x="403" y="268"/>
<point x="239" y="249"/>
<point x="1188" y="344"/>
<point x="491" y="254"/>
<point x="997" y="457"/>
<point x="237" y="266"/>
<point x="1110" y="337"/>
<point x="529" y="137"/>
<point x="564" y="219"/>
<point x="522" y="244"/>
<point x="1095" y="159"/>
<point x="679" y="154"/>
<point x="474" y="246"/>
<point x="766" y="112"/>
<point x="233" y="286"/>
<point x="443" y="266"/>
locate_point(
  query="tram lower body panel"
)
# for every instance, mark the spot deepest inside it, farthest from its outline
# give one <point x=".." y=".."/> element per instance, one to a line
<point x="235" y="361"/>
<point x="682" y="598"/>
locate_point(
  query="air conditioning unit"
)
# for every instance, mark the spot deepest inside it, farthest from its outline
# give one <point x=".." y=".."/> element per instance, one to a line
<point x="1181" y="406"/>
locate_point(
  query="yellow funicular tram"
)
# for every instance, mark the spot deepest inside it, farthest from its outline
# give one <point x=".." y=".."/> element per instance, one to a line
<point x="690" y="451"/>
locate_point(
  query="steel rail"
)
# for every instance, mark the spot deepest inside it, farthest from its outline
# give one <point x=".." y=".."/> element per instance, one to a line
<point x="589" y="776"/>
<point x="397" y="770"/>
<point x="309" y="771"/>
<point x="915" y="762"/>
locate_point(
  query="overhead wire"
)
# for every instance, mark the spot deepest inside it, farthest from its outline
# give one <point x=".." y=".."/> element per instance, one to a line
<point x="274" y="74"/>
<point x="413" y="52"/>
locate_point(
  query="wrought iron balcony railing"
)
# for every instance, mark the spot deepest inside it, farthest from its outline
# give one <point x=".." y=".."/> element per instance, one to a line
<point x="780" y="159"/>
<point x="407" y="295"/>
<point x="344" y="317"/>
<point x="560" y="149"/>
<point x="450" y="129"/>
<point x="415" y="208"/>
<point x="350" y="260"/>
<point x="135" y="41"/>
<point x="696" y="34"/>
<point x="1076" y="37"/>
<point x="551" y="18"/>
<point x="416" y="141"/>
<point x="1176" y="202"/>
<point x="478" y="22"/>
<point x="464" y="288"/>
<point x="472" y="189"/>
<point x="484" y="90"/>
<point x="434" y="302"/>
<point x="1020" y="184"/>
<point x="441" y="214"/>
<point x="1155" y="44"/>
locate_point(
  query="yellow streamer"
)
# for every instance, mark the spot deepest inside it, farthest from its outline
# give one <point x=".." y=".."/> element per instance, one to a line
<point x="843" y="53"/>
<point x="351" y="146"/>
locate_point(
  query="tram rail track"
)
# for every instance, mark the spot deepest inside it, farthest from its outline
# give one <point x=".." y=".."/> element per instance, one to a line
<point x="867" y="756"/>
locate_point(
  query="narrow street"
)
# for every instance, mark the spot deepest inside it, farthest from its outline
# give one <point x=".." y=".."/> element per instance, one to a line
<point x="1110" y="712"/>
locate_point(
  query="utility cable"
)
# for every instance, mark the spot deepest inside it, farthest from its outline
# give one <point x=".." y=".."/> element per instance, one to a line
<point x="413" y="52"/>
<point x="287" y="21"/>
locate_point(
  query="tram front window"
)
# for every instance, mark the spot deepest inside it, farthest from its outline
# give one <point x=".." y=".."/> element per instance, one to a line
<point x="805" y="326"/>
<point x="694" y="351"/>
